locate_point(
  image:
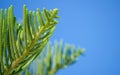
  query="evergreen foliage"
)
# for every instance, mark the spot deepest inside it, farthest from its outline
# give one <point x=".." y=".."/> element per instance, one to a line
<point x="53" y="58"/>
<point x="21" y="43"/>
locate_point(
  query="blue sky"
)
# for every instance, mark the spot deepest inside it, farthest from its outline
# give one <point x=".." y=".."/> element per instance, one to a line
<point x="90" y="24"/>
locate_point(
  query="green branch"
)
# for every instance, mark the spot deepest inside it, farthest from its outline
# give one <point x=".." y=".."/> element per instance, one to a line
<point x="54" y="58"/>
<point x="21" y="43"/>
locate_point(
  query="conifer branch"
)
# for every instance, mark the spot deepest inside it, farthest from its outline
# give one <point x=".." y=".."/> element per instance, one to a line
<point x="21" y="43"/>
<point x="53" y="58"/>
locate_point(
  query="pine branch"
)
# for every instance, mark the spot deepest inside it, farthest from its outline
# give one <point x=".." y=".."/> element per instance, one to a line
<point x="20" y="44"/>
<point x="54" y="58"/>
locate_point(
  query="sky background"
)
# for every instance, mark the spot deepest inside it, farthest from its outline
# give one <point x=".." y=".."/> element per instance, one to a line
<point x="90" y="24"/>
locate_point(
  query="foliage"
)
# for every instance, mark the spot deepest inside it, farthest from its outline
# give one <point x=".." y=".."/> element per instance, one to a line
<point x="21" y="43"/>
<point x="53" y="58"/>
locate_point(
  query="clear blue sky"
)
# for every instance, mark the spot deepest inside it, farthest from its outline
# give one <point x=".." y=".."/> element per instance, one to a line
<point x="90" y="24"/>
